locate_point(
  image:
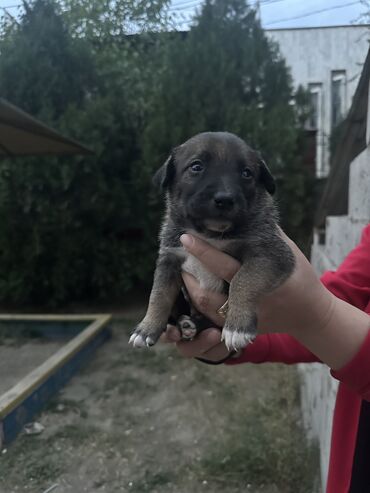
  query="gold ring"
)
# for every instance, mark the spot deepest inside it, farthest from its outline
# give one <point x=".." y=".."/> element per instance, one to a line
<point x="223" y="309"/>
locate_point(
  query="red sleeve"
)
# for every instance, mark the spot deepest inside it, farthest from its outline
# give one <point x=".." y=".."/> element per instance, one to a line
<point x="275" y="348"/>
<point x="355" y="289"/>
<point x="356" y="373"/>
<point x="351" y="283"/>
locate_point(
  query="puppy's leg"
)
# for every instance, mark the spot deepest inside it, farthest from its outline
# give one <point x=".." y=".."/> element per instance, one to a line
<point x="258" y="275"/>
<point x="166" y="287"/>
<point x="255" y="278"/>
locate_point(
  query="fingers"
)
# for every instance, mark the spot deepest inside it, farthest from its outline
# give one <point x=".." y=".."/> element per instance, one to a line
<point x="217" y="353"/>
<point x="219" y="263"/>
<point x="171" y="335"/>
<point x="205" y="302"/>
<point x="206" y="345"/>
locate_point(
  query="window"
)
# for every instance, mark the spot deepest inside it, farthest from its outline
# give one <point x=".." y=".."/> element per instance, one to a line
<point x="315" y="127"/>
<point x="314" y="119"/>
<point x="338" y="93"/>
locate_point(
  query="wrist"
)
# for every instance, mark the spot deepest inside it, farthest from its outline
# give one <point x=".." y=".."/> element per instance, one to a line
<point x="338" y="334"/>
<point x="315" y="314"/>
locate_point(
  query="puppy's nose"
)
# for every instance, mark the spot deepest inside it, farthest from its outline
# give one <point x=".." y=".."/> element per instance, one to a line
<point x="224" y="200"/>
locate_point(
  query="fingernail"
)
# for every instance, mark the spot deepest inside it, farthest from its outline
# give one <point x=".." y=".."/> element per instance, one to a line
<point x="187" y="240"/>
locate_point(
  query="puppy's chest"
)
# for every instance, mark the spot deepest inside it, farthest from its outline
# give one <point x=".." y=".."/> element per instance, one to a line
<point x="206" y="279"/>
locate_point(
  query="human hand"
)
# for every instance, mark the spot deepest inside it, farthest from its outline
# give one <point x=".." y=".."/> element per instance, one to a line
<point x="299" y="303"/>
<point x="302" y="307"/>
<point x="206" y="345"/>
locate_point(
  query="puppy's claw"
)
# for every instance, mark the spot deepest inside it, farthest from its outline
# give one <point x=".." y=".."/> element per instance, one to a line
<point x="139" y="339"/>
<point x="235" y="340"/>
<point x="150" y="341"/>
<point x="132" y="338"/>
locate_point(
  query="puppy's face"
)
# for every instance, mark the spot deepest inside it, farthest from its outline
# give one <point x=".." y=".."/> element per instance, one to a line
<point x="215" y="183"/>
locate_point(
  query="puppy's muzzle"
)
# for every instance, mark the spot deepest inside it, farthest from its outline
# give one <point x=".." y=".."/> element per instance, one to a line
<point x="224" y="201"/>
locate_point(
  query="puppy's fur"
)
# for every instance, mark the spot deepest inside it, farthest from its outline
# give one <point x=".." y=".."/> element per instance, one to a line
<point x="218" y="189"/>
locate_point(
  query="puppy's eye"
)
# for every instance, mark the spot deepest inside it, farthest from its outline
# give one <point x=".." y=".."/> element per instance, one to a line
<point x="247" y="174"/>
<point x="196" y="166"/>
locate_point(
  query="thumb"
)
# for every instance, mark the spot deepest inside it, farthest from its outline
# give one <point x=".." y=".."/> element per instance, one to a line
<point x="217" y="262"/>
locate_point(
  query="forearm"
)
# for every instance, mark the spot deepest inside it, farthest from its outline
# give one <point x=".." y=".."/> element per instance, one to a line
<point x="340" y="337"/>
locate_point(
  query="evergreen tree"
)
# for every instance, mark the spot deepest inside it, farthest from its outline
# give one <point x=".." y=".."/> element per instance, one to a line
<point x="225" y="74"/>
<point x="73" y="228"/>
<point x="42" y="68"/>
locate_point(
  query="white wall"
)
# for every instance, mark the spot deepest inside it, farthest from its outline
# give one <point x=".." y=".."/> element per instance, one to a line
<point x="312" y="54"/>
<point x="342" y="234"/>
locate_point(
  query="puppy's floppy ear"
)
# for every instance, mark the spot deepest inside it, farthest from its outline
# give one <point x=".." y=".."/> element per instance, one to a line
<point x="266" y="177"/>
<point x="166" y="173"/>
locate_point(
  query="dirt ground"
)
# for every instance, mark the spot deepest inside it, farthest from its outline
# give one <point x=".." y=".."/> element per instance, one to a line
<point x="16" y="361"/>
<point x="141" y="421"/>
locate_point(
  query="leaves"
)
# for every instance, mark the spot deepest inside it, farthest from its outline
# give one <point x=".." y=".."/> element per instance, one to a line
<point x="82" y="228"/>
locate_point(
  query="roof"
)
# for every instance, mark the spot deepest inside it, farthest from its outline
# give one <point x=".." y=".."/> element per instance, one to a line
<point x="351" y="142"/>
<point x="305" y="28"/>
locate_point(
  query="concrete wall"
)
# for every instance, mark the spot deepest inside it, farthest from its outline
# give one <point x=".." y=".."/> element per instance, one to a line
<point x="312" y="54"/>
<point x="342" y="235"/>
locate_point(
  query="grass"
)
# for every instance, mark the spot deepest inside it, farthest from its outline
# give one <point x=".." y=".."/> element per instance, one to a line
<point x="264" y="445"/>
<point x="38" y="464"/>
<point x="153" y="480"/>
<point x="53" y="406"/>
<point x="152" y="360"/>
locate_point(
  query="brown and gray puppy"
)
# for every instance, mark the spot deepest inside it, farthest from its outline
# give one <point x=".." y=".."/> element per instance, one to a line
<point x="218" y="189"/>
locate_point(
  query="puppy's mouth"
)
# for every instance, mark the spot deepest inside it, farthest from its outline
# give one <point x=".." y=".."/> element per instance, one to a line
<point x="218" y="226"/>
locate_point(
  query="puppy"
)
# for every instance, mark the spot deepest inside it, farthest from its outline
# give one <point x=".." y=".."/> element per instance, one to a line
<point x="218" y="189"/>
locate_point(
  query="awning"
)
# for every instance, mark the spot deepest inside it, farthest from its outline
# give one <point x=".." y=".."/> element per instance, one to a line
<point x="23" y="135"/>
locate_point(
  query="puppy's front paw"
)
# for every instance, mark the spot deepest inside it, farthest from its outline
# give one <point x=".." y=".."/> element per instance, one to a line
<point x="236" y="339"/>
<point x="238" y="335"/>
<point x="144" y="337"/>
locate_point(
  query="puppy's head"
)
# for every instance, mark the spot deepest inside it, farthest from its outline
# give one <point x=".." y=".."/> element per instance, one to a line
<point x="216" y="184"/>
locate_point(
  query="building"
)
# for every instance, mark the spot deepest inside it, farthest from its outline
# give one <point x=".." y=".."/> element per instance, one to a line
<point x="328" y="62"/>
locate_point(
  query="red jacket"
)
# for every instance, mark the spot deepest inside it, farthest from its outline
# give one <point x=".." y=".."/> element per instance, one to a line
<point x="351" y="282"/>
